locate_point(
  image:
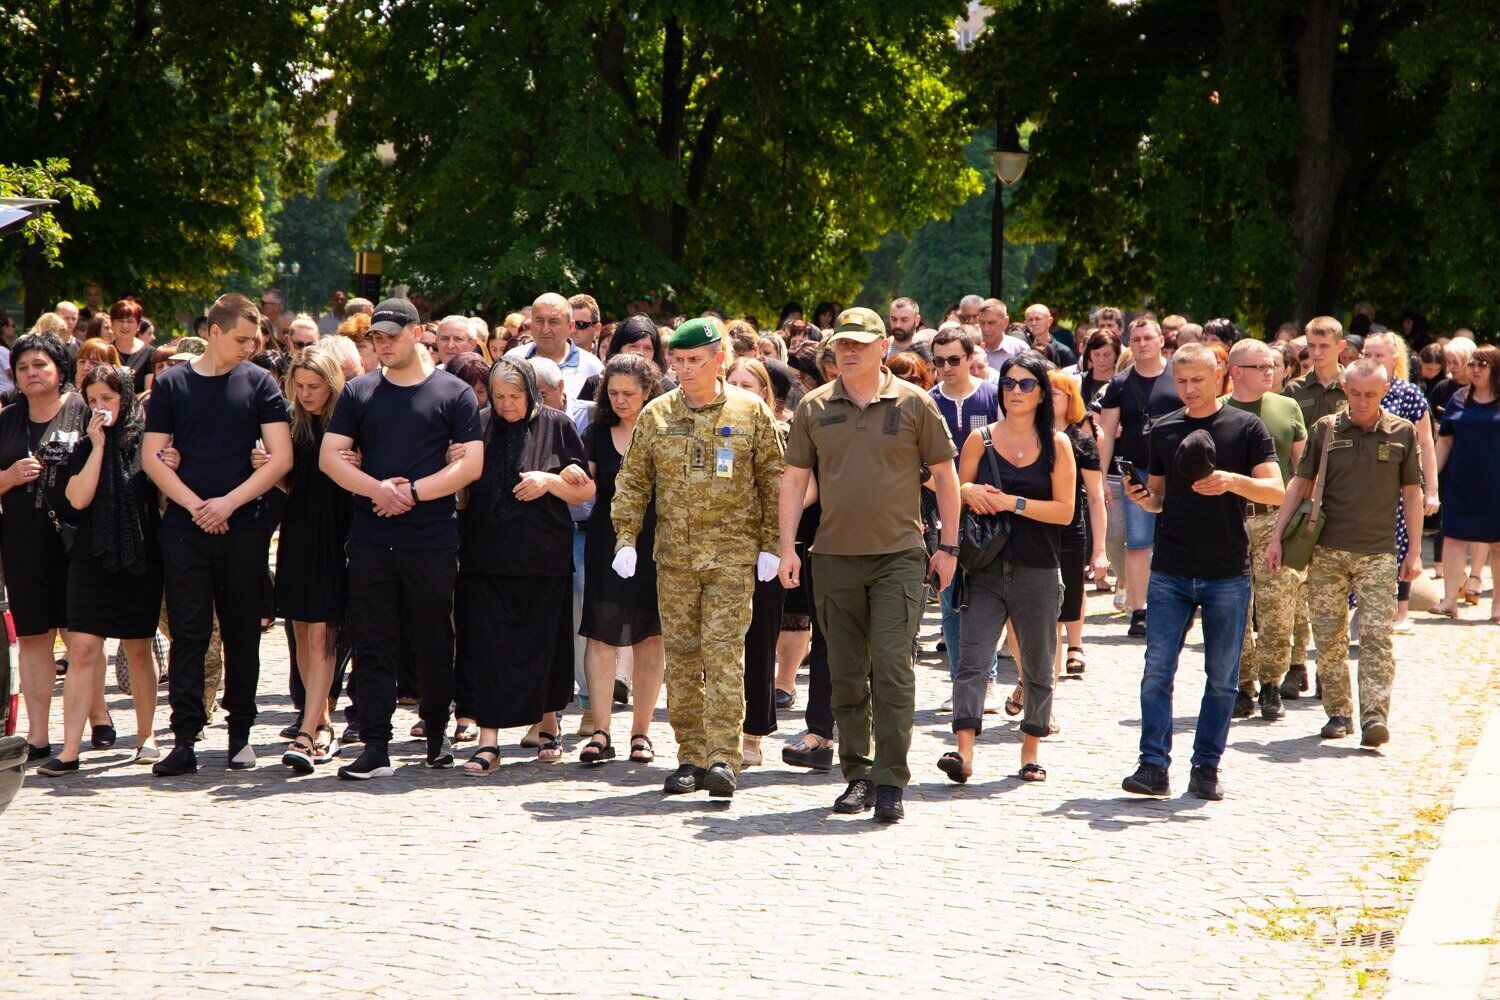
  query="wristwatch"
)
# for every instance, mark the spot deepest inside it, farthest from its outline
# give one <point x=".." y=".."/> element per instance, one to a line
<point x="952" y="550"/>
<point x="413" y="488"/>
<point x="1020" y="504"/>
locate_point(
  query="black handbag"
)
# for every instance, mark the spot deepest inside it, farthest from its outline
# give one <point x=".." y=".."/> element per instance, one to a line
<point x="982" y="537"/>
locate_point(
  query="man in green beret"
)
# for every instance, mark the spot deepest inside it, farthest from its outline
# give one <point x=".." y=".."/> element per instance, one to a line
<point x="712" y="457"/>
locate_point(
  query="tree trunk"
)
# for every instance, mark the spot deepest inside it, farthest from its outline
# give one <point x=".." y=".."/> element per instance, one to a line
<point x="1320" y="165"/>
<point x="36" y="285"/>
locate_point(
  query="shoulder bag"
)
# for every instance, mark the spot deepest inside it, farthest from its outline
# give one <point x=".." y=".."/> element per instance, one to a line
<point x="981" y="537"/>
<point x="1306" y="523"/>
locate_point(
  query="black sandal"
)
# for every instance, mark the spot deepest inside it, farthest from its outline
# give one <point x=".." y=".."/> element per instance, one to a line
<point x="594" y="752"/>
<point x="1032" y="772"/>
<point x="643" y="753"/>
<point x="485" y="766"/>
<point x="952" y="764"/>
<point x="299" y="756"/>
<point x="465" y="733"/>
<point x="548" y="743"/>
<point x="1012" y="706"/>
<point x="1075" y="665"/>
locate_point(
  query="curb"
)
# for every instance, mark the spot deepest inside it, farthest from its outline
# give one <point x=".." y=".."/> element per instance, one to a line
<point x="1445" y="944"/>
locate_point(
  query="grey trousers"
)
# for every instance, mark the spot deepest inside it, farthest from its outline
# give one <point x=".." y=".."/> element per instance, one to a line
<point x="1030" y="599"/>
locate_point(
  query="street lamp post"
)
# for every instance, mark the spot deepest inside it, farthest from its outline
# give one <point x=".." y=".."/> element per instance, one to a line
<point x="1009" y="160"/>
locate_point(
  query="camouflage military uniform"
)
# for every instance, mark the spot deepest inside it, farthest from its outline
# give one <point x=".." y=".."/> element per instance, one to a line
<point x="716" y="475"/>
<point x="1316" y="400"/>
<point x="1330" y="576"/>
<point x="1268" y="634"/>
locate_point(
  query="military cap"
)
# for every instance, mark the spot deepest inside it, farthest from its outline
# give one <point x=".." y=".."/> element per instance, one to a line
<point x="698" y="332"/>
<point x="860" y="325"/>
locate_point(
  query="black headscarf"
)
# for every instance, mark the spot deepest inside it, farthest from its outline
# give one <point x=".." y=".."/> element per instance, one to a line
<point x="118" y="540"/>
<point x="511" y="447"/>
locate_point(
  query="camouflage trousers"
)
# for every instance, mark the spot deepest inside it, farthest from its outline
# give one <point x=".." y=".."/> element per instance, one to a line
<point x="1331" y="576"/>
<point x="704" y="617"/>
<point x="1268" y="632"/>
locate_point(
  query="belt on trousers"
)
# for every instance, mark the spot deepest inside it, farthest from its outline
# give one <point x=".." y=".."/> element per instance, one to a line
<point x="1253" y="509"/>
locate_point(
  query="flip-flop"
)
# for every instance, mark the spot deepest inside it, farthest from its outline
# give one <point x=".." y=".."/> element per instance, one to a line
<point x="952" y="764"/>
<point x="1032" y="772"/>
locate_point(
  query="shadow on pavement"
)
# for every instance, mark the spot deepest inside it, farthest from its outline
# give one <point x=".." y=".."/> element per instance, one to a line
<point x="1126" y="811"/>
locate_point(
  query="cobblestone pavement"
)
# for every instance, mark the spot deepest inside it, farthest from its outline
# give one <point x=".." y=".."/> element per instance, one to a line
<point x="553" y="878"/>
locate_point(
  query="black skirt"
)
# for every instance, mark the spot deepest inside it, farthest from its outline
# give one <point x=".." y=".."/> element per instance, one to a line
<point x="113" y="605"/>
<point x="515" y="641"/>
<point x="36" y="581"/>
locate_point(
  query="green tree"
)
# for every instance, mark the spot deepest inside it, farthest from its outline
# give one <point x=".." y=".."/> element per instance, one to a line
<point x="165" y="109"/>
<point x="312" y="230"/>
<point x="46" y="180"/>
<point x="1264" y="159"/>
<point x="731" y="153"/>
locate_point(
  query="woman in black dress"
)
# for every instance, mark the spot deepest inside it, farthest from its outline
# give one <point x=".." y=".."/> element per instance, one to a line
<point x="38" y="433"/>
<point x="312" y="575"/>
<point x="513" y="606"/>
<point x="114" y="570"/>
<point x="619" y="613"/>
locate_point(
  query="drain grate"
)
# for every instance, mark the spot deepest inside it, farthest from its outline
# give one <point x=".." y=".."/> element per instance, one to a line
<point x="1380" y="939"/>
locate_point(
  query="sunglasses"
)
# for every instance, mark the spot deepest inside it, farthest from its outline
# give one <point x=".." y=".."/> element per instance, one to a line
<point x="939" y="362"/>
<point x="1024" y="384"/>
<point x="1479" y="363"/>
<point x="583" y="324"/>
<point x="1263" y="369"/>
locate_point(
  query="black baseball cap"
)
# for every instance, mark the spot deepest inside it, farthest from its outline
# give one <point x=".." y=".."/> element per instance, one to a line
<point x="393" y="316"/>
<point x="1196" y="455"/>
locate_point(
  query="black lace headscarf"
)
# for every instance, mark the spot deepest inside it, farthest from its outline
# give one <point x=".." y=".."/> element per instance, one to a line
<point x="511" y="447"/>
<point x="119" y="543"/>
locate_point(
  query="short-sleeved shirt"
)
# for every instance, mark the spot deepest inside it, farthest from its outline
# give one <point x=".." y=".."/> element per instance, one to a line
<point x="869" y="464"/>
<point x="1138" y="397"/>
<point x="1283" y="418"/>
<point x="1366" y="470"/>
<point x="1198" y="536"/>
<point x="214" y="422"/>
<point x="405" y="430"/>
<point x="139" y="362"/>
<point x="979" y="408"/>
<point x="1316" y="399"/>
<point x="1009" y="347"/>
<point x="578" y="366"/>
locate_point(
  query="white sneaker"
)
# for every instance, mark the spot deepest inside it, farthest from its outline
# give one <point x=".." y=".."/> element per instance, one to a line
<point x="946" y="706"/>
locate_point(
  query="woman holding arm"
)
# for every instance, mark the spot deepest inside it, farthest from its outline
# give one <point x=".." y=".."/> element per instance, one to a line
<point x="114" y="569"/>
<point x="1025" y="469"/>
<point x="513" y="601"/>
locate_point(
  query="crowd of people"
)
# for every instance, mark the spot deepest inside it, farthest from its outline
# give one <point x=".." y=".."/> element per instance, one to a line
<point x="493" y="523"/>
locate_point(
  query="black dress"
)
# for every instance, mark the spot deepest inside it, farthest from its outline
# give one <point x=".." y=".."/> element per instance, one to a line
<point x="139" y="362"/>
<point x="513" y="604"/>
<point x="119" y="603"/>
<point x="312" y="572"/>
<point x="616" y="611"/>
<point x="31" y="544"/>
<point x="1073" y="550"/>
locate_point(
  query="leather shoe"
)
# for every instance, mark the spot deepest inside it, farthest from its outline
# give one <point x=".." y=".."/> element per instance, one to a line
<point x="720" y="781"/>
<point x="1295" y="682"/>
<point x="1204" y="783"/>
<point x="1271" y="708"/>
<point x="685" y="779"/>
<point x="1244" y="705"/>
<point x="888" y="807"/>
<point x="1375" y="734"/>
<point x="1337" y="728"/>
<point x="1148" y="779"/>
<point x="859" y="796"/>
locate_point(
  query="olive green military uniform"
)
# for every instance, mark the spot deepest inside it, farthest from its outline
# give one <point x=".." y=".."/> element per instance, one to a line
<point x="716" y="475"/>
<point x="1356" y="552"/>
<point x="869" y="559"/>
<point x="1316" y="401"/>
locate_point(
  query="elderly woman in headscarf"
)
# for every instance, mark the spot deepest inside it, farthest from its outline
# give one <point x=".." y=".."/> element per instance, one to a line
<point x="513" y="602"/>
<point x="114" y="569"/>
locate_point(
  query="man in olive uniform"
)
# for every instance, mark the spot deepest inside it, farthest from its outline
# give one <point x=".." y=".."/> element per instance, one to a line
<point x="712" y="456"/>
<point x="1372" y="462"/>
<point x="1318" y="393"/>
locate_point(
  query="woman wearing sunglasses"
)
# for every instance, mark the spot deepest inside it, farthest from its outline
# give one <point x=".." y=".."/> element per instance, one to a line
<point x="1022" y="466"/>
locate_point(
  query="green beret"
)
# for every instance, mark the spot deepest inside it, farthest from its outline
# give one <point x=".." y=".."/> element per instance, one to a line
<point x="698" y="332"/>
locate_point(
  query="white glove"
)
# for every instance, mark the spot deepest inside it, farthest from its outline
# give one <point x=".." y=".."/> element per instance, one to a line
<point x="624" y="564"/>
<point x="766" y="567"/>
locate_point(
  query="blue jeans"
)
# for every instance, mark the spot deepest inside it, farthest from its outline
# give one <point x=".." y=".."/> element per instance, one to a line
<point x="579" y="642"/>
<point x="951" y="637"/>
<point x="1140" y="523"/>
<point x="1171" y="601"/>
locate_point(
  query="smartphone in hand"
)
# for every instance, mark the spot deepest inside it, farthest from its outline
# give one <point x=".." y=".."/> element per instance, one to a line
<point x="1128" y="468"/>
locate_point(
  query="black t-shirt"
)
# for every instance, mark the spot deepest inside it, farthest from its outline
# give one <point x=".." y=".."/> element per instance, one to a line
<point x="1130" y="392"/>
<point x="1198" y="536"/>
<point x="1439" y="392"/>
<point x="140" y="363"/>
<point x="405" y="430"/>
<point x="540" y="541"/>
<point x="214" y="422"/>
<point x="1032" y="543"/>
<point x="26" y="530"/>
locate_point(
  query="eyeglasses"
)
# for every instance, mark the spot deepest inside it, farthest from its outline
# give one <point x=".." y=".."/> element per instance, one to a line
<point x="1025" y="384"/>
<point x="683" y="364"/>
<point x="1263" y="369"/>
<point x="951" y="362"/>
<point x="584" y="324"/>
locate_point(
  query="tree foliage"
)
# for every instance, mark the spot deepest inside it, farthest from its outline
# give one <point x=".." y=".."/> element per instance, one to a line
<point x="735" y="153"/>
<point x="46" y="180"/>
<point x="1263" y="159"/>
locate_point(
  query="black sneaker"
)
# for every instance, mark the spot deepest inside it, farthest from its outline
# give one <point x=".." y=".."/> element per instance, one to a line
<point x="1375" y="734"/>
<point x="859" y="796"/>
<point x="351" y="735"/>
<point x="1337" y="727"/>
<point x="1271" y="708"/>
<point x="441" y="755"/>
<point x="720" y="781"/>
<point x="785" y="699"/>
<point x="1137" y="625"/>
<point x="1204" y="783"/>
<point x="685" y="780"/>
<point x="374" y="762"/>
<point x="622" y="692"/>
<point x="241" y="754"/>
<point x="1244" y="705"/>
<point x="182" y="760"/>
<point x="290" y="732"/>
<point x="1148" y="779"/>
<point x="888" y="807"/>
<point x="1295" y="682"/>
<point x="35" y="753"/>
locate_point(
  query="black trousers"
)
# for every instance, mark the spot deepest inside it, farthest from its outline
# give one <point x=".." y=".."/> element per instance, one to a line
<point x="207" y="575"/>
<point x="396" y="593"/>
<point x="760" y="658"/>
<point x="819" y="712"/>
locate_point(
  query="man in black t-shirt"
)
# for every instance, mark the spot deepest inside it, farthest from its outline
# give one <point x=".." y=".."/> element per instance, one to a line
<point x="216" y="532"/>
<point x="403" y="542"/>
<point x="1206" y="460"/>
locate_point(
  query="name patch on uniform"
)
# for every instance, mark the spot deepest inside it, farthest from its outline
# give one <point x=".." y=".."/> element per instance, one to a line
<point x="736" y="431"/>
<point x="892" y="421"/>
<point x="675" y="431"/>
<point x="1338" y="443"/>
<point x="837" y="418"/>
